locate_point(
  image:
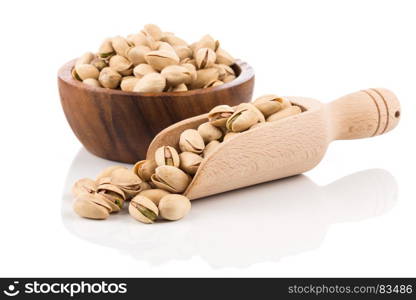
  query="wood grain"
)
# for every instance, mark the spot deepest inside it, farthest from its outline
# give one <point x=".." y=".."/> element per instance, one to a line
<point x="119" y="125"/>
<point x="288" y="146"/>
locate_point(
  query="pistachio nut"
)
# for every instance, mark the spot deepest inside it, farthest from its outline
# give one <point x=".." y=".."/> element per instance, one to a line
<point x="269" y="104"/>
<point x="128" y="83"/>
<point x="213" y="83"/>
<point x="290" y="111"/>
<point x="85" y="71"/>
<point x="183" y="52"/>
<point x="92" y="206"/>
<point x="167" y="156"/>
<point x="191" y="69"/>
<point x="204" y="76"/>
<point x="190" y="140"/>
<point x="174" y="207"/>
<point x="92" y="82"/>
<point x="123" y="177"/>
<point x="210" y="147"/>
<point x="189" y="162"/>
<point x="86" y="58"/>
<point x="219" y="115"/>
<point x="176" y="75"/>
<point x="113" y="194"/>
<point x="179" y="88"/>
<point x="154" y="194"/>
<point x="250" y="106"/>
<point x="205" y="58"/>
<point x="106" y="49"/>
<point x="143" y="69"/>
<point x="120" y="45"/>
<point x="242" y="120"/>
<point x="99" y="63"/>
<point x="143" y="209"/>
<point x="121" y="65"/>
<point x="228" y="78"/>
<point x="151" y="83"/>
<point x="160" y="59"/>
<point x="84" y="185"/>
<point x="137" y="53"/>
<point x="138" y="39"/>
<point x="206" y="41"/>
<point x="224" y="71"/>
<point x="109" y="78"/>
<point x="173" y="40"/>
<point x="145" y="169"/>
<point x="223" y="57"/>
<point x="106" y="173"/>
<point x="153" y="31"/>
<point x="171" y="179"/>
<point x="230" y="134"/>
<point x="209" y="132"/>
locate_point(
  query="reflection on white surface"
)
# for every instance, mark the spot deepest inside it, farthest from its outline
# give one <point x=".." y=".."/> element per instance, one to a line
<point x="239" y="228"/>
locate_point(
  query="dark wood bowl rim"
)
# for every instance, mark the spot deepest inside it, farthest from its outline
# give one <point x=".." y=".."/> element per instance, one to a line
<point x="246" y="74"/>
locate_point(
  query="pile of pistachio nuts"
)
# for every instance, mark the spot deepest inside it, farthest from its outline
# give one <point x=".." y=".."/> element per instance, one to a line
<point x="154" y="187"/>
<point x="155" y="61"/>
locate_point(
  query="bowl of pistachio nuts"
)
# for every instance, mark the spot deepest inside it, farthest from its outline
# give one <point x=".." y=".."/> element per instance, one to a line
<point x="117" y="99"/>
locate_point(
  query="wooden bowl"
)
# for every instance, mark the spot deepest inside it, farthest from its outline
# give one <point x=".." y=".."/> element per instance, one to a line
<point x="119" y="125"/>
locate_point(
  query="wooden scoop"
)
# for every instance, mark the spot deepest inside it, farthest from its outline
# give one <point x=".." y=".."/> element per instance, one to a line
<point x="288" y="146"/>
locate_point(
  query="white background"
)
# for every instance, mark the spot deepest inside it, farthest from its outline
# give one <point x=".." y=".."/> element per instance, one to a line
<point x="362" y="225"/>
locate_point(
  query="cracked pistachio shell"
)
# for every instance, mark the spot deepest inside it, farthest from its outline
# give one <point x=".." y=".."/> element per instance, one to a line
<point x="173" y="40"/>
<point x="167" y="156"/>
<point x="190" y="162"/>
<point x="171" y="179"/>
<point x="84" y="185"/>
<point x="270" y="104"/>
<point x="209" y="132"/>
<point x="150" y="83"/>
<point x="120" y="45"/>
<point x="190" y="140"/>
<point x="92" y="82"/>
<point x="176" y="75"/>
<point x="153" y="31"/>
<point x="109" y="78"/>
<point x="99" y="63"/>
<point x="145" y="169"/>
<point x="154" y="194"/>
<point x="203" y="77"/>
<point x="125" y="178"/>
<point x="160" y="59"/>
<point x="219" y="114"/>
<point x="287" y="112"/>
<point x="137" y="53"/>
<point x="106" y="187"/>
<point x="191" y="69"/>
<point x="143" y="69"/>
<point x="183" y="52"/>
<point x="242" y="120"/>
<point x="205" y="58"/>
<point x="210" y="147"/>
<point x="250" y="106"/>
<point x="114" y="196"/>
<point x="143" y="209"/>
<point x="138" y="39"/>
<point x="206" y="41"/>
<point x="174" y="207"/>
<point x="223" y="57"/>
<point x="92" y="206"/>
<point x="179" y="88"/>
<point x="106" y="49"/>
<point x="128" y="83"/>
<point x="224" y="71"/>
<point x="86" y="58"/>
<point x="121" y="65"/>
<point x="85" y="71"/>
<point x="229" y="78"/>
<point x="106" y="173"/>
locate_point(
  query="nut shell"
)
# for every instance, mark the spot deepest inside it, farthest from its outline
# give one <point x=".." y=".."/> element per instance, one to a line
<point x="84" y="185"/>
<point x="190" y="140"/>
<point x="209" y="132"/>
<point x="167" y="156"/>
<point x="143" y="209"/>
<point x="174" y="207"/>
<point x="154" y="194"/>
<point x="145" y="169"/>
<point x="91" y="206"/>
<point x="171" y="179"/>
<point x="190" y="162"/>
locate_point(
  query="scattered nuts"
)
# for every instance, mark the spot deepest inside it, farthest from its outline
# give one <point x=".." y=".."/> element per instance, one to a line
<point x="174" y="207"/>
<point x="83" y="186"/>
<point x="92" y="206"/>
<point x="154" y="194"/>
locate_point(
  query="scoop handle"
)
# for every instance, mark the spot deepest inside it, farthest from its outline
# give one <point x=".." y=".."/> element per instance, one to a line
<point x="364" y="114"/>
